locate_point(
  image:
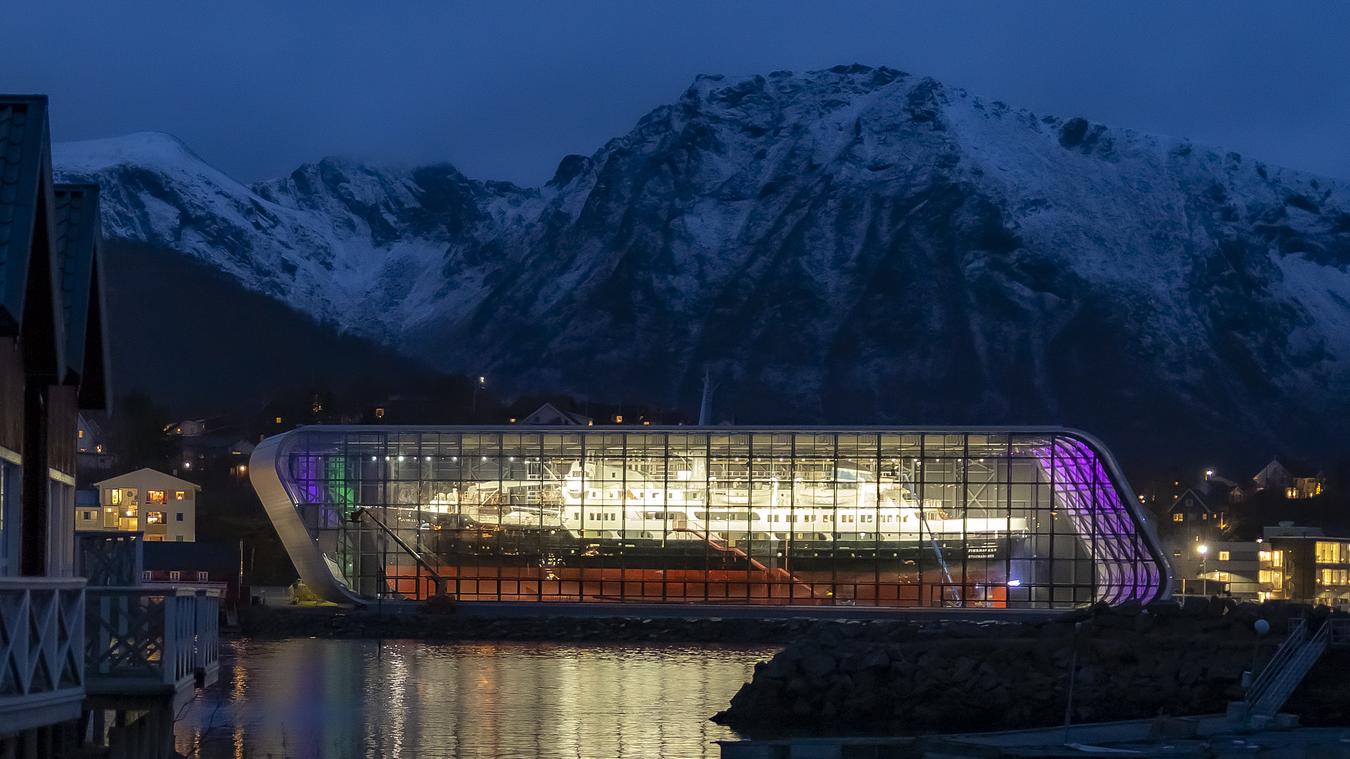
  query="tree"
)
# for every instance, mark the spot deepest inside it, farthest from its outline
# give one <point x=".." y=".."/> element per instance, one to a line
<point x="137" y="433"/>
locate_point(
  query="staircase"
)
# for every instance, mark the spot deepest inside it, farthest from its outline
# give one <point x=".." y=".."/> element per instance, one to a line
<point x="721" y="546"/>
<point x="1286" y="669"/>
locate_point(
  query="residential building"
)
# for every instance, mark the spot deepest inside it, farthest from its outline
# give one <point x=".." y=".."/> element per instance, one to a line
<point x="200" y="565"/>
<point x="1195" y="522"/>
<point x="161" y="506"/>
<point x="186" y="428"/>
<point x="52" y="366"/>
<point x="1199" y="512"/>
<point x="1294" y="481"/>
<point x="92" y="451"/>
<point x="212" y="451"/>
<point x="1219" y="568"/>
<point x="1304" y="564"/>
<point x="548" y="414"/>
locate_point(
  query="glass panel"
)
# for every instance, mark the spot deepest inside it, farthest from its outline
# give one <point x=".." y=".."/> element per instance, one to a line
<point x="812" y="517"/>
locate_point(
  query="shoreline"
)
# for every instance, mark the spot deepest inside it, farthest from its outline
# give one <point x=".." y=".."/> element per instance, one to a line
<point x="608" y="624"/>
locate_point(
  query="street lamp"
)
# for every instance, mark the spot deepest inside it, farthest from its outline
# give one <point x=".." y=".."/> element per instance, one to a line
<point x="1203" y="549"/>
<point x="482" y="382"/>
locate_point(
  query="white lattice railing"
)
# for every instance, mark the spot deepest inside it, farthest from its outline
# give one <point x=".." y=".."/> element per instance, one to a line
<point x="41" y="650"/>
<point x="146" y="639"/>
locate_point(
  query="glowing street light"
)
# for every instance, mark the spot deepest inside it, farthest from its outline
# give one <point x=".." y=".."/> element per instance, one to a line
<point x="1202" y="549"/>
<point x="482" y="384"/>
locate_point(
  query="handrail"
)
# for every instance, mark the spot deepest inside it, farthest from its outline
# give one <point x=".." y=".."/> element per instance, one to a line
<point x="722" y="546"/>
<point x="1287" y="668"/>
<point x="362" y="511"/>
<point x="24" y="582"/>
<point x="1270" y="701"/>
<point x="148" y="636"/>
<point x="43" y="624"/>
<point x="1291" y="643"/>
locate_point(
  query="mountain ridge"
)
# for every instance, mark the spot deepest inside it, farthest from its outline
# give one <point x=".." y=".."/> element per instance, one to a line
<point x="852" y="244"/>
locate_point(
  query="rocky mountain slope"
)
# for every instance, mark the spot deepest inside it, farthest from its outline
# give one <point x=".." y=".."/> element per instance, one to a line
<point x="846" y="245"/>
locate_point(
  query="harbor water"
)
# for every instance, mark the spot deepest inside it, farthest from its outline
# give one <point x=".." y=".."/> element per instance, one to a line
<point x="305" y="697"/>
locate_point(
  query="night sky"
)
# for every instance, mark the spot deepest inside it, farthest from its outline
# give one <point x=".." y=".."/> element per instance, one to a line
<point x="504" y="90"/>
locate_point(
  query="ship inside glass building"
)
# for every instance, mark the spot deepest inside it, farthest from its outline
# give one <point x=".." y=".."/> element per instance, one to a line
<point x="805" y="516"/>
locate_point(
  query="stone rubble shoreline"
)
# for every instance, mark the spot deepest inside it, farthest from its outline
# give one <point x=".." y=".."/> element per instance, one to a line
<point x="1132" y="663"/>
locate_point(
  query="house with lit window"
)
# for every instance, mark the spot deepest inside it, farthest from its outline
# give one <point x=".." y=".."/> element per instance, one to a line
<point x="1199" y="509"/>
<point x="1294" y="481"/>
<point x="161" y="506"/>
<point x="92" y="452"/>
<point x="1224" y="567"/>
<point x="1306" y="565"/>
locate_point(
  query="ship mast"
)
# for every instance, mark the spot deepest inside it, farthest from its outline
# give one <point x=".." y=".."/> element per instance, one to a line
<point x="705" y="406"/>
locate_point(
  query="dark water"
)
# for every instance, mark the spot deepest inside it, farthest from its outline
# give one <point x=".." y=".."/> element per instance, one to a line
<point x="357" y="698"/>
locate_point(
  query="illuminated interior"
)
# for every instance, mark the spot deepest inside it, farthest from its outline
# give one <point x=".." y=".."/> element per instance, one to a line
<point x="809" y="516"/>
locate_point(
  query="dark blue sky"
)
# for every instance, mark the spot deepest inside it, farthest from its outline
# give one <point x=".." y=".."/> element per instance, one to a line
<point x="504" y="90"/>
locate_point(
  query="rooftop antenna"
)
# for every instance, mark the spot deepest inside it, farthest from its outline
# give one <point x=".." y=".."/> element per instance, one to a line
<point x="705" y="406"/>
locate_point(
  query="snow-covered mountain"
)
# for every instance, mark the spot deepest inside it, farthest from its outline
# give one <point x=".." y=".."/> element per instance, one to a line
<point x="847" y="245"/>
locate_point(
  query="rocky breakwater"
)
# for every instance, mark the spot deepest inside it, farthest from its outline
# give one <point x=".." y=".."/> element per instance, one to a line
<point x="1131" y="663"/>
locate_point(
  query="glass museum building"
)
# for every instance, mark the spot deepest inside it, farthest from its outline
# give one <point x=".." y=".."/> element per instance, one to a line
<point x="902" y="517"/>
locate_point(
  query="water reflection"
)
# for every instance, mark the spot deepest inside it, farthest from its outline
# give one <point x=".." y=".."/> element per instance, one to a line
<point x="353" y="698"/>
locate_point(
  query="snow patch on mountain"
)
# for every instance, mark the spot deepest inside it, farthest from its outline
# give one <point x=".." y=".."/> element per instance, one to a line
<point x="849" y="244"/>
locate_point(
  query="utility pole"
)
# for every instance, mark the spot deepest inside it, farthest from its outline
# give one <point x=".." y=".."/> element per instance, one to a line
<point x="482" y="381"/>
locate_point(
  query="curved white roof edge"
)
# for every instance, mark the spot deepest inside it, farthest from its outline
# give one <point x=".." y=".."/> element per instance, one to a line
<point x="303" y="549"/>
<point x="317" y="570"/>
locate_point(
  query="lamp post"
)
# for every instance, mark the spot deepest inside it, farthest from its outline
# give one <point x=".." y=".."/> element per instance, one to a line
<point x="1203" y="550"/>
<point x="482" y="381"/>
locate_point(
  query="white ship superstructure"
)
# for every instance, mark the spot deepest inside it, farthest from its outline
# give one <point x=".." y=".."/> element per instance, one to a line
<point x="602" y="501"/>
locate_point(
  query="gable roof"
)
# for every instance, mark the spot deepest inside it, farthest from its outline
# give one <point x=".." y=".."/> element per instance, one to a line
<point x="23" y="122"/>
<point x="1191" y="495"/>
<point x="29" y="292"/>
<point x="122" y="478"/>
<point x="78" y="245"/>
<point x="550" y="414"/>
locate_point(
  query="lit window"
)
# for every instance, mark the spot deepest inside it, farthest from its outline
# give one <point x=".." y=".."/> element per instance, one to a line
<point x="116" y="497"/>
<point x="379" y="413"/>
<point x="154" y="496"/>
<point x="179" y="495"/>
<point x="1178" y="517"/>
<point x="81" y="434"/>
<point x="98" y="448"/>
<point x="1223" y="556"/>
<point x="278" y="420"/>
<point x="154" y="517"/>
<point x="618" y="418"/>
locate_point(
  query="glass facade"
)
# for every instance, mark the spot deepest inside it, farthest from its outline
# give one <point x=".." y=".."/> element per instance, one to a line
<point x="885" y="517"/>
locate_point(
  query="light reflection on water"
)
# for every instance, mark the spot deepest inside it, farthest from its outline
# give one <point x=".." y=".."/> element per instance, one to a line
<point x="360" y="698"/>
